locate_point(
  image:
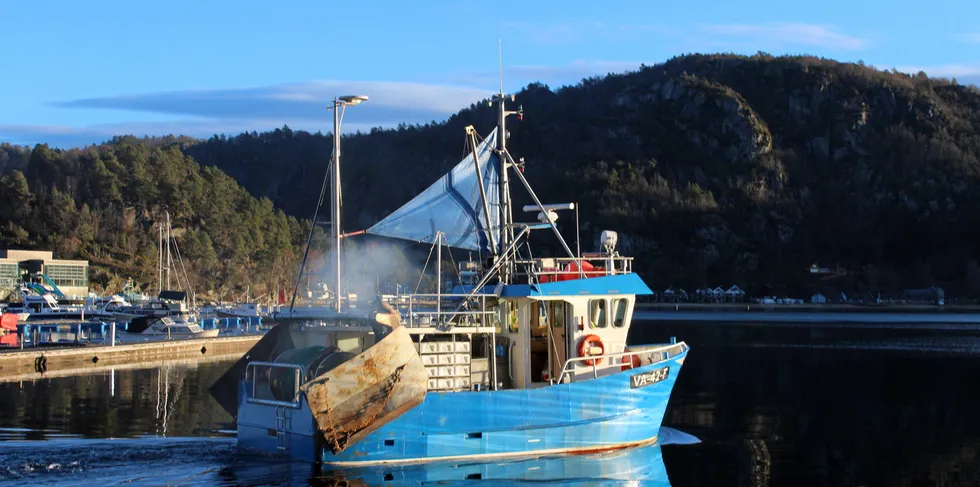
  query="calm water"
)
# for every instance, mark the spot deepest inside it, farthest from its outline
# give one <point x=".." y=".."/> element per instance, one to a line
<point x="771" y="405"/>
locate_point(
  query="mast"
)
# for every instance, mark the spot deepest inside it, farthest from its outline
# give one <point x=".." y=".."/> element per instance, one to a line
<point x="169" y="260"/>
<point x="507" y="240"/>
<point x="159" y="257"/>
<point x="506" y="213"/>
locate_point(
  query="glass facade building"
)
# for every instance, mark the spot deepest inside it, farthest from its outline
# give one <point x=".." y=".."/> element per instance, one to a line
<point x="70" y="276"/>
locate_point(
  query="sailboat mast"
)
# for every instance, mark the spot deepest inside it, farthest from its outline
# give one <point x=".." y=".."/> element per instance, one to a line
<point x="335" y="197"/>
<point x="169" y="261"/>
<point x="159" y="257"/>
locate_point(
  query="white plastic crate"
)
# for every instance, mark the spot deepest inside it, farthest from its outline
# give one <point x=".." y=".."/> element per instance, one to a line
<point x="446" y="359"/>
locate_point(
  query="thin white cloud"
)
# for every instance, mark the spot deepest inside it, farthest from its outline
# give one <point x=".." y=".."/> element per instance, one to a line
<point x="301" y="106"/>
<point x="971" y="37"/>
<point x="788" y="33"/>
<point x="304" y="101"/>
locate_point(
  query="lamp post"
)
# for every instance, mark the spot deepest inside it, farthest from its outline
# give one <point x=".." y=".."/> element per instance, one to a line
<point x="339" y="106"/>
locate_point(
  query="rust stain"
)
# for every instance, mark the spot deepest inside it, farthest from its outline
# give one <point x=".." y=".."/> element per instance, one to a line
<point x="606" y="449"/>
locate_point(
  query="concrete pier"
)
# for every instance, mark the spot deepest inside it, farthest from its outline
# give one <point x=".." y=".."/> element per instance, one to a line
<point x="37" y="361"/>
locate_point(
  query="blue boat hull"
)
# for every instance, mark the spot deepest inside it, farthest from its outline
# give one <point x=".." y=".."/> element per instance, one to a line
<point x="621" y="410"/>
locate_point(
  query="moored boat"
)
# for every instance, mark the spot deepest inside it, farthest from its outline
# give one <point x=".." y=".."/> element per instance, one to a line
<point x="152" y="328"/>
<point x="240" y="310"/>
<point x="531" y="361"/>
<point x="43" y="307"/>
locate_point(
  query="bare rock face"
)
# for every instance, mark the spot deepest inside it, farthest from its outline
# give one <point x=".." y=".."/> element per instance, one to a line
<point x="718" y="124"/>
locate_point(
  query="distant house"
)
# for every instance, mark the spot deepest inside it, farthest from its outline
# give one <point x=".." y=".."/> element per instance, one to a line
<point x="734" y="293"/>
<point x="818" y="299"/>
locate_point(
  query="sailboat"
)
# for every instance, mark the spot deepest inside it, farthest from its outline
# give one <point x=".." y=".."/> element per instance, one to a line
<point x="531" y="361"/>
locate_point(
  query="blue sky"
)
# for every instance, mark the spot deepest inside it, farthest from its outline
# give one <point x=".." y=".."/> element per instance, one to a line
<point x="80" y="72"/>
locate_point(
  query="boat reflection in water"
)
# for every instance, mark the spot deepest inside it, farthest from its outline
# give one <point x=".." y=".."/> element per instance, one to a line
<point x="631" y="466"/>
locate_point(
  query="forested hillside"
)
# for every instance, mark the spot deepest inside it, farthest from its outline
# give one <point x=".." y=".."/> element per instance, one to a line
<point x="102" y="203"/>
<point x="715" y="169"/>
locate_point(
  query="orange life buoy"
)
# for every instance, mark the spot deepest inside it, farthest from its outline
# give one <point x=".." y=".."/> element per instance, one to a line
<point x="586" y="345"/>
<point x="632" y="363"/>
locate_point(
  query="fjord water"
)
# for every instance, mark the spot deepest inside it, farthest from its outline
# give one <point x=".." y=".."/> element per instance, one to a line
<point x="772" y="404"/>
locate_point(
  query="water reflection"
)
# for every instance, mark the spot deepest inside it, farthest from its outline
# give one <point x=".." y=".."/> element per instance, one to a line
<point x="203" y="461"/>
<point x="771" y="406"/>
<point x="816" y="408"/>
<point x="168" y="401"/>
<point x="626" y="467"/>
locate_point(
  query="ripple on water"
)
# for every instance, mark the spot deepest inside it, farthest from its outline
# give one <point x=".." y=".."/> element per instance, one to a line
<point x="149" y="461"/>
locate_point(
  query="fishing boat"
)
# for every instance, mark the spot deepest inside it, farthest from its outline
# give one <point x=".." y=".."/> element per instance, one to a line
<point x="530" y="361"/>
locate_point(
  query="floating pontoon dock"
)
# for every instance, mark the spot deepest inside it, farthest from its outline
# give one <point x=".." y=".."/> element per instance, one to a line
<point x="36" y="361"/>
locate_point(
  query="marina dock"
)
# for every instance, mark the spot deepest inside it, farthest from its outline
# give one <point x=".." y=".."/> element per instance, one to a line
<point x="35" y="362"/>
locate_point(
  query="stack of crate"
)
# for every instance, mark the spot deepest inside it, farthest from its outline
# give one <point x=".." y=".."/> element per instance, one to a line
<point x="447" y="363"/>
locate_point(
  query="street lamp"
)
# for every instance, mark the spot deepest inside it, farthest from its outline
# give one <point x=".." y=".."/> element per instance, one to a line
<point x="339" y="106"/>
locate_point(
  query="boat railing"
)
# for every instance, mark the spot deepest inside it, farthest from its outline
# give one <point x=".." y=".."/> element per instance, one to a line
<point x="622" y="360"/>
<point x="256" y="371"/>
<point x="554" y="269"/>
<point x="432" y="309"/>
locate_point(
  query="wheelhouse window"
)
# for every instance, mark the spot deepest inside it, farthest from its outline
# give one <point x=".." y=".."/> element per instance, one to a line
<point x="597" y="313"/>
<point x="556" y="312"/>
<point x="619" y="312"/>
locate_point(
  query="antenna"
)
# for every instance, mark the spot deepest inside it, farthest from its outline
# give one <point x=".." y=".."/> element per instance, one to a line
<point x="500" y="57"/>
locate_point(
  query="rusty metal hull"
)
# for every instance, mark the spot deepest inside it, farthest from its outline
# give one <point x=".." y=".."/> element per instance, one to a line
<point x="368" y="391"/>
